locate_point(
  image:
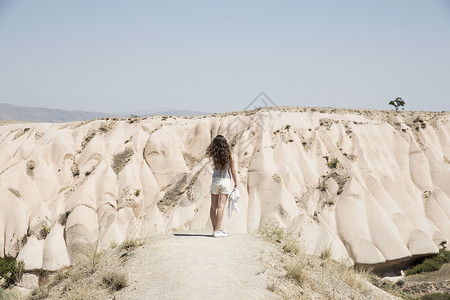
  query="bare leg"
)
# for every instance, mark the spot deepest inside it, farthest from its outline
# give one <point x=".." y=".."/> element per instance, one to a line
<point x="213" y="210"/>
<point x="221" y="207"/>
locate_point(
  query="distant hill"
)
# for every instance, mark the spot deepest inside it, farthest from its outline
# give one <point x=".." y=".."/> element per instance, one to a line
<point x="164" y="111"/>
<point x="10" y="112"/>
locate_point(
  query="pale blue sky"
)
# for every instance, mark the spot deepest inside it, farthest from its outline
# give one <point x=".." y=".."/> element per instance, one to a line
<point x="216" y="56"/>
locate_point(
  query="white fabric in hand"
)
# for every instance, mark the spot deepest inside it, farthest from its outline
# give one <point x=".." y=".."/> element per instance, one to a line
<point x="233" y="201"/>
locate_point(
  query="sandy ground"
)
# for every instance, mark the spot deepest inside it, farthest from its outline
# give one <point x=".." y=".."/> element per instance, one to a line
<point x="198" y="266"/>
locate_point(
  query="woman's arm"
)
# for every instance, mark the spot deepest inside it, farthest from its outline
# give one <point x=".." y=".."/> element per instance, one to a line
<point x="233" y="170"/>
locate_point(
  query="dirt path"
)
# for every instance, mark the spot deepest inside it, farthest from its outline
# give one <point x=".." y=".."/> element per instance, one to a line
<point x="198" y="266"/>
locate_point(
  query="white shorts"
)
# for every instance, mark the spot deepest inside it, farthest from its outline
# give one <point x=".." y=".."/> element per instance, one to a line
<point x="220" y="186"/>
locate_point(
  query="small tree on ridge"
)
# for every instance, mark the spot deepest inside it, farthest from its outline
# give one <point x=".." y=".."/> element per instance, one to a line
<point x="398" y="102"/>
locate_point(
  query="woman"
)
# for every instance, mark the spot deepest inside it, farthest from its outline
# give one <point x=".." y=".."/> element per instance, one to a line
<point x="222" y="159"/>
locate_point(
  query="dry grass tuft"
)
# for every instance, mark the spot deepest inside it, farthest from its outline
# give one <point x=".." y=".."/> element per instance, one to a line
<point x="297" y="270"/>
<point x="291" y="246"/>
<point x="82" y="281"/>
<point x="131" y="244"/>
<point x="89" y="254"/>
<point x="344" y="274"/>
<point x="325" y="254"/>
<point x="39" y="293"/>
<point x="272" y="231"/>
<point x="312" y="276"/>
<point x="115" y="280"/>
<point x="113" y="244"/>
<point x="10" y="294"/>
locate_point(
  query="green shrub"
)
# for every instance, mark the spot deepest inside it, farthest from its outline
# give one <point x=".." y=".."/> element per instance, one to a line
<point x="431" y="264"/>
<point x="11" y="270"/>
<point x="333" y="163"/>
<point x="45" y="231"/>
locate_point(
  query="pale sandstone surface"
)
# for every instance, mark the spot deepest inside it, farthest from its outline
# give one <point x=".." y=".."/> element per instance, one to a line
<point x="108" y="181"/>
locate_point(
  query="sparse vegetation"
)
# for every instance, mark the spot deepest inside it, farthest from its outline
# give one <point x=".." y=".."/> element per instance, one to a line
<point x="115" y="280"/>
<point x="296" y="269"/>
<point x="14" y="192"/>
<point x="39" y="293"/>
<point x="291" y="246"/>
<point x="324" y="277"/>
<point x="171" y="196"/>
<point x="89" y="253"/>
<point x="89" y="136"/>
<point x="322" y="186"/>
<point x="75" y="170"/>
<point x="81" y="281"/>
<point x="325" y="254"/>
<point x="419" y="123"/>
<point x="63" y="217"/>
<point x="356" y="277"/>
<point x="137" y="193"/>
<point x="272" y="231"/>
<point x="44" y="231"/>
<point x="436" y="296"/>
<point x="105" y="127"/>
<point x="30" y="168"/>
<point x="431" y="264"/>
<point x="121" y="160"/>
<point x="10" y="294"/>
<point x="329" y="202"/>
<point x="131" y="244"/>
<point x="333" y="163"/>
<point x="11" y="270"/>
<point x="351" y="156"/>
<point x="20" y="133"/>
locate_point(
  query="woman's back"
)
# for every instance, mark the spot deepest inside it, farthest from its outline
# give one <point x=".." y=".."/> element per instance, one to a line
<point x="222" y="173"/>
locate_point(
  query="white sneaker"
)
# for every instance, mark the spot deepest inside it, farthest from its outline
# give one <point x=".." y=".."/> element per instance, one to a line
<point x="220" y="233"/>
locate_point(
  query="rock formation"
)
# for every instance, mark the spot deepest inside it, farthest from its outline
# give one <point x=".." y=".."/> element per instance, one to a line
<point x="372" y="186"/>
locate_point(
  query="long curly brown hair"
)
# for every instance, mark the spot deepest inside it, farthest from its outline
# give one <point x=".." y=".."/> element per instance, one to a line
<point x="219" y="151"/>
